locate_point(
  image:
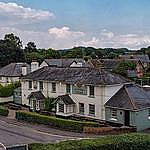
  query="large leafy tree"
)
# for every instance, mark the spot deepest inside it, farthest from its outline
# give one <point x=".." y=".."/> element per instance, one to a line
<point x="30" y="47"/>
<point x="11" y="49"/>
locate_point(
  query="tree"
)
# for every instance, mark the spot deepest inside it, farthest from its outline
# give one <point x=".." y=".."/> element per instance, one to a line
<point x="11" y="49"/>
<point x="49" y="104"/>
<point x="31" y="47"/>
<point x="124" y="66"/>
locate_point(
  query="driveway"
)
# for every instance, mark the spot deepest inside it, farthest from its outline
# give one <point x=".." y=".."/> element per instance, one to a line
<point x="13" y="132"/>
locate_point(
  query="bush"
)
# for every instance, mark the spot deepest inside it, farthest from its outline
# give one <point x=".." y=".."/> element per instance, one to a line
<point x="121" y="142"/>
<point x="55" y="122"/>
<point x="3" y="111"/>
<point x="7" y="90"/>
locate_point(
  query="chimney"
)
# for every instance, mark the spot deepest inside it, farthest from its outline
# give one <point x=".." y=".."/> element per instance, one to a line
<point x="34" y="66"/>
<point x="24" y="69"/>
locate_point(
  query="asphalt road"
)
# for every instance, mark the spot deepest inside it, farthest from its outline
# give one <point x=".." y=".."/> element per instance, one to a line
<point x="13" y="133"/>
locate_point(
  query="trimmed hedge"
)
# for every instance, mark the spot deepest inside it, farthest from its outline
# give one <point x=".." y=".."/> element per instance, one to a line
<point x="121" y="142"/>
<point x="55" y="122"/>
<point x="3" y="111"/>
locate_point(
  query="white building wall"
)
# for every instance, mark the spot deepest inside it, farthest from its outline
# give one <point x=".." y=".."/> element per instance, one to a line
<point x="102" y="95"/>
<point x="8" y="80"/>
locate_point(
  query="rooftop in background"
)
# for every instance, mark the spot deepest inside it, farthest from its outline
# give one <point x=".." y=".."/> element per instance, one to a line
<point x="142" y="58"/>
<point x="131" y="97"/>
<point x="83" y="76"/>
<point x="13" y="70"/>
<point x="65" y="62"/>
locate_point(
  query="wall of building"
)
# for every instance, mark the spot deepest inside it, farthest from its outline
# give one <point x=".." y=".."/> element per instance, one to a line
<point x="8" y="80"/>
<point x="120" y="116"/>
<point x="6" y="99"/>
<point x="142" y="119"/>
<point x="102" y="95"/>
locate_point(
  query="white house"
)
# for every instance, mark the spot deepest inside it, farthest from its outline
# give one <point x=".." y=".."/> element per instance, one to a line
<point x="82" y="91"/>
<point x="13" y="72"/>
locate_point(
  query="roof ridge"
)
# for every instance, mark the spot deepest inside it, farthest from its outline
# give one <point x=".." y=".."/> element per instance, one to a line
<point x="130" y="98"/>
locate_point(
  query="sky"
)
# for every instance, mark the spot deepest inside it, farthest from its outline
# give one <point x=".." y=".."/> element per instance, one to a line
<point x="61" y="24"/>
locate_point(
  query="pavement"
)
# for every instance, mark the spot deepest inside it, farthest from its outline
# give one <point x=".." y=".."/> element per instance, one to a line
<point x="13" y="132"/>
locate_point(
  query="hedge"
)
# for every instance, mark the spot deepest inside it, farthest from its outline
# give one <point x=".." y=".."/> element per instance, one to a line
<point x="121" y="142"/>
<point x="55" y="122"/>
<point x="3" y="111"/>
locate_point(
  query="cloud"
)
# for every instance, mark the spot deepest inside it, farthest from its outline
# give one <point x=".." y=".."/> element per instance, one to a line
<point x="60" y="38"/>
<point x="106" y="33"/>
<point x="15" y="12"/>
<point x="65" y="32"/>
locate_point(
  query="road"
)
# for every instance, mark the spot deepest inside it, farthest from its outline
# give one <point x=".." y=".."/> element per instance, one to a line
<point x="13" y="132"/>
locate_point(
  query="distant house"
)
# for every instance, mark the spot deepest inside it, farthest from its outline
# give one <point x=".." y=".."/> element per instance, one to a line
<point x="64" y="63"/>
<point x="130" y="106"/>
<point x="13" y="72"/>
<point x="143" y="58"/>
<point x="111" y="64"/>
<point x="78" y="90"/>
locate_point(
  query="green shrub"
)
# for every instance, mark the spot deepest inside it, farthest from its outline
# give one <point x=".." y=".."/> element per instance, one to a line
<point x="3" y="111"/>
<point x="121" y="142"/>
<point x="7" y="90"/>
<point x="55" y="122"/>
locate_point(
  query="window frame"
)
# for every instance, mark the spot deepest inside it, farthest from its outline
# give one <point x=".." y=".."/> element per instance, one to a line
<point x="91" y="91"/>
<point x="92" y="110"/>
<point x="53" y="87"/>
<point x="30" y="85"/>
<point x="68" y="88"/>
<point x="114" y="114"/>
<point x="61" y="108"/>
<point x="81" y="108"/>
<point x="41" y="84"/>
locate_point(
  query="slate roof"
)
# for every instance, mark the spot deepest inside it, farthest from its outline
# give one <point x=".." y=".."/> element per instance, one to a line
<point x="131" y="97"/>
<point x="142" y="58"/>
<point x="66" y="99"/>
<point x="13" y="70"/>
<point x="38" y="95"/>
<point x="85" y="76"/>
<point x="64" y="62"/>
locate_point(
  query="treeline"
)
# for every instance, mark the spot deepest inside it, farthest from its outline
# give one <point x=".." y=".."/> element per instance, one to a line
<point x="11" y="50"/>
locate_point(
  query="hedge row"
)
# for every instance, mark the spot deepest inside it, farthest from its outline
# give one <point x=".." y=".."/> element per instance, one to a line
<point x="55" y="122"/>
<point x="121" y="142"/>
<point x="3" y="111"/>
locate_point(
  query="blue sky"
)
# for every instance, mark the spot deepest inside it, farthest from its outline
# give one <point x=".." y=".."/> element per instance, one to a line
<point x="98" y="23"/>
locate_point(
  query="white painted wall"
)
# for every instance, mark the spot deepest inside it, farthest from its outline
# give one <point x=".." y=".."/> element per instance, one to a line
<point x="6" y="99"/>
<point x="8" y="80"/>
<point x="102" y="95"/>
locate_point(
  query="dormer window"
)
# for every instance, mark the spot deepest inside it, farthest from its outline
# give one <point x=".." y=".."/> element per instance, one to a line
<point x="30" y="85"/>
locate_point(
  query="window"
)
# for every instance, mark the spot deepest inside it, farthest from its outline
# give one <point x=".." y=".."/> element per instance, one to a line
<point x="81" y="108"/>
<point x="53" y="87"/>
<point x="114" y="113"/>
<point x="91" y="90"/>
<point x="61" y="108"/>
<point x="7" y="80"/>
<point x="35" y="84"/>
<point x="81" y="90"/>
<point x="91" y="109"/>
<point x="41" y="85"/>
<point x="30" y="84"/>
<point x="0" y="78"/>
<point x="68" y="88"/>
<point x="149" y="113"/>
